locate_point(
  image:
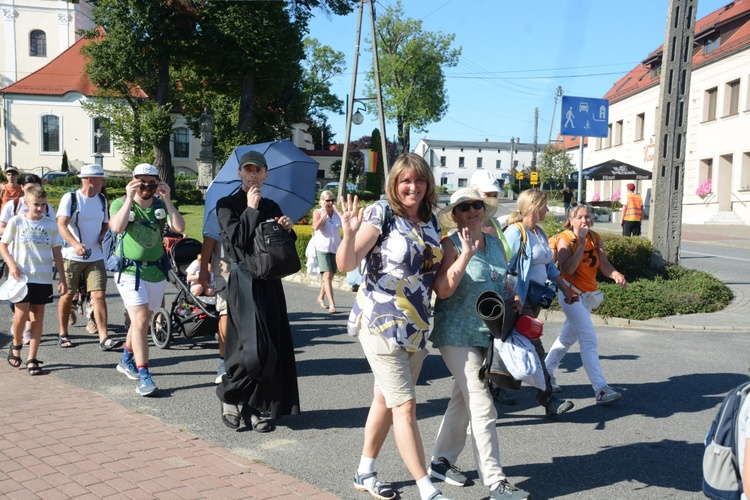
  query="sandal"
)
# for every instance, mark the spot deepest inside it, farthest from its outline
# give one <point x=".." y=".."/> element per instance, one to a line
<point x="230" y="415"/>
<point x="14" y="361"/>
<point x="32" y="365"/>
<point x="260" y="424"/>
<point x="322" y="303"/>
<point x="376" y="488"/>
<point x="64" y="341"/>
<point x="113" y="344"/>
<point x="332" y="309"/>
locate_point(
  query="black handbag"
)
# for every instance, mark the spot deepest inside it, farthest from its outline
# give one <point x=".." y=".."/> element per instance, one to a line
<point x="274" y="254"/>
<point x="541" y="295"/>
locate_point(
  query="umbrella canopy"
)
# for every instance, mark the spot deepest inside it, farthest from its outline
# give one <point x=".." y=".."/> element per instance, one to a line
<point x="613" y="170"/>
<point x="290" y="182"/>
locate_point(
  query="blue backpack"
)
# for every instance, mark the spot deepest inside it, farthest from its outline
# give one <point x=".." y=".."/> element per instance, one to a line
<point x="722" y="478"/>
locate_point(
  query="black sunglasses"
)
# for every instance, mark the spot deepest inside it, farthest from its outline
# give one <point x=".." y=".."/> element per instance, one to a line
<point x="428" y="257"/>
<point x="150" y="185"/>
<point x="329" y="201"/>
<point x="465" y="207"/>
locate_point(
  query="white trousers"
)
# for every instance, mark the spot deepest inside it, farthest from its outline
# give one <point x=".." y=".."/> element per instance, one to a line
<point x="577" y="328"/>
<point x="472" y="410"/>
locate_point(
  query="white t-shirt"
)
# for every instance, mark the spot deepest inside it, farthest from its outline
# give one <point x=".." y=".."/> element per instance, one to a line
<point x="744" y="434"/>
<point x="30" y="242"/>
<point x="89" y="220"/>
<point x="195" y="268"/>
<point x="9" y="210"/>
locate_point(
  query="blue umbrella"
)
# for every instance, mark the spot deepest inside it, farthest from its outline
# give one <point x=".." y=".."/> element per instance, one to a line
<point x="290" y="182"/>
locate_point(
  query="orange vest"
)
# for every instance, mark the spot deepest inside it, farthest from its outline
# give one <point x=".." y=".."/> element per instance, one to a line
<point x="634" y="208"/>
<point x="11" y="193"/>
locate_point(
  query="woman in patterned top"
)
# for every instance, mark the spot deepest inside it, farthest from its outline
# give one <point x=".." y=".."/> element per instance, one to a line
<point x="391" y="314"/>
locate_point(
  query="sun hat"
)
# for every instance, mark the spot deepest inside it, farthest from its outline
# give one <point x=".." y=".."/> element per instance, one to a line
<point x="485" y="181"/>
<point x="11" y="169"/>
<point x="145" y="169"/>
<point x="14" y="290"/>
<point x="253" y="158"/>
<point x="91" y="171"/>
<point x="461" y="196"/>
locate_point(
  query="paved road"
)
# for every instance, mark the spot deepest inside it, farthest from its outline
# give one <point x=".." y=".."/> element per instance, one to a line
<point x="648" y="446"/>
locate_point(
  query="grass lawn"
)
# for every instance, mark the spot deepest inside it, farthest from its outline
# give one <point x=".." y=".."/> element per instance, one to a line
<point x="193" y="215"/>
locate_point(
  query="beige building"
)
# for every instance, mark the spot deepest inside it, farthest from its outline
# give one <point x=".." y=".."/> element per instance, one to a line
<point x="718" y="142"/>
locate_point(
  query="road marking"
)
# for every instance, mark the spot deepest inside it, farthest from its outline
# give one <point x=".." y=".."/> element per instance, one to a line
<point x="717" y="256"/>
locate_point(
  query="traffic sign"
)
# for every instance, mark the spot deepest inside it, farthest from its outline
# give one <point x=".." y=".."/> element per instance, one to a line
<point x="584" y="116"/>
<point x="519" y="176"/>
<point x="534" y="177"/>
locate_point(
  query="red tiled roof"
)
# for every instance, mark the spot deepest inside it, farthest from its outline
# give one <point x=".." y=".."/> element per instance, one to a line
<point x="568" y="142"/>
<point x="733" y="17"/>
<point x="63" y="74"/>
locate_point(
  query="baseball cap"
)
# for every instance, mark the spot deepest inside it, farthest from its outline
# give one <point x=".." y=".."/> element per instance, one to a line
<point x="14" y="290"/>
<point x="254" y="158"/>
<point x="145" y="169"/>
<point x="11" y="169"/>
<point x="484" y="181"/>
<point x="631" y="186"/>
<point x="91" y="171"/>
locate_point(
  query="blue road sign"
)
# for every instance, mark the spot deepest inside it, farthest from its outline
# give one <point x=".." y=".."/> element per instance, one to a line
<point x="584" y="116"/>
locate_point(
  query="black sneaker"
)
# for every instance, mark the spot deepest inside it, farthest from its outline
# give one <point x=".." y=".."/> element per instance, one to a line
<point x="442" y="469"/>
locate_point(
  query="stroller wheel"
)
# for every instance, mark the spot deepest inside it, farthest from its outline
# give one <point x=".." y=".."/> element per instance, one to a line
<point x="161" y="328"/>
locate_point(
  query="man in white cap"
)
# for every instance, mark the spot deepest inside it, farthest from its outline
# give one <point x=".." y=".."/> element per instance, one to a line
<point x="139" y="219"/>
<point x="83" y="219"/>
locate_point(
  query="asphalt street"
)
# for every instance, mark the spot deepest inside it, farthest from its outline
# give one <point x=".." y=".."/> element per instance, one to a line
<point x="649" y="445"/>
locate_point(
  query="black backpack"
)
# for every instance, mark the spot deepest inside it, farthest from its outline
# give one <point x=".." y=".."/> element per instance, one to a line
<point x="274" y="252"/>
<point x="722" y="478"/>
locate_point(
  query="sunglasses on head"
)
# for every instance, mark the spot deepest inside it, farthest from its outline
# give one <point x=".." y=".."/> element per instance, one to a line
<point x="465" y="207"/>
<point x="148" y="185"/>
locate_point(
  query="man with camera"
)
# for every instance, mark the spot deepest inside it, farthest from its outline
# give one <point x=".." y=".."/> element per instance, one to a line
<point x="83" y="220"/>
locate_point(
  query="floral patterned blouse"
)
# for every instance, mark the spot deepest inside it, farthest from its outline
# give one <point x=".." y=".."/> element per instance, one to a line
<point x="394" y="297"/>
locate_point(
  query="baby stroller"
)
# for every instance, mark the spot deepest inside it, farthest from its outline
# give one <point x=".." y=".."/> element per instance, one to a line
<point x="189" y="315"/>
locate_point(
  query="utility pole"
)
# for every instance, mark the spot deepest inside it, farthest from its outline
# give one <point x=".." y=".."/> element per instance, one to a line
<point x="558" y="95"/>
<point x="536" y="129"/>
<point x="511" y="154"/>
<point x="350" y="104"/>
<point x="665" y="230"/>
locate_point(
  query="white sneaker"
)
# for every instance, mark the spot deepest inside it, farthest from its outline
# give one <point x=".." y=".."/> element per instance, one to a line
<point x="26" y="336"/>
<point x="553" y="384"/>
<point x="607" y="395"/>
<point x="220" y="372"/>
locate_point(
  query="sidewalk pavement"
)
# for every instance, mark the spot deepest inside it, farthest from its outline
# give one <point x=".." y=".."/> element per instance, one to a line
<point x="84" y="445"/>
<point x="87" y="446"/>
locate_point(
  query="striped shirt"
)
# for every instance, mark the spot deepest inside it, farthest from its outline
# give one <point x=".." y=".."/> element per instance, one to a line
<point x="30" y="242"/>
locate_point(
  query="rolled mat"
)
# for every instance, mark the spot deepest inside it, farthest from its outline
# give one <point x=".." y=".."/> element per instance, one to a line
<point x="491" y="308"/>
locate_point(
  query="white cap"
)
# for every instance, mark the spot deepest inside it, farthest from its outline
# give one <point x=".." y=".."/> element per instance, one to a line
<point x="91" y="171"/>
<point x="14" y="290"/>
<point x="485" y="181"/>
<point x="145" y="169"/>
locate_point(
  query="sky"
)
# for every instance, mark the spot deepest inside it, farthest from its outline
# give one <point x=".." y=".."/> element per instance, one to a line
<point x="515" y="54"/>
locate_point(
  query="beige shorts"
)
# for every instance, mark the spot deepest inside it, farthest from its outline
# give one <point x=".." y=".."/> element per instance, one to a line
<point x="93" y="272"/>
<point x="396" y="370"/>
<point x="221" y="273"/>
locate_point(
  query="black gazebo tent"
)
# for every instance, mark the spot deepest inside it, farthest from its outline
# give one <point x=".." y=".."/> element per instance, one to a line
<point x="613" y="170"/>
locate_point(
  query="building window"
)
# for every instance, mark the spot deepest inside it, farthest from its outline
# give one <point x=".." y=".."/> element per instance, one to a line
<point x="38" y="44"/>
<point x="732" y="98"/>
<point x="479" y="162"/>
<point x="101" y="144"/>
<point x="442" y="161"/>
<point x="655" y="70"/>
<point x="618" y="133"/>
<point x="461" y="162"/>
<point x="705" y="170"/>
<point x="462" y="183"/>
<point x="598" y="144"/>
<point x="497" y="163"/>
<point x="181" y="142"/>
<point x="710" y="44"/>
<point x="608" y="139"/>
<point x="51" y="134"/>
<point x="515" y="164"/>
<point x="709" y="105"/>
<point x="640" y="125"/>
<point x="745" y="172"/>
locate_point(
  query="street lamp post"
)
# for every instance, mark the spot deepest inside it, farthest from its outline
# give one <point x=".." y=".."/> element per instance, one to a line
<point x="98" y="157"/>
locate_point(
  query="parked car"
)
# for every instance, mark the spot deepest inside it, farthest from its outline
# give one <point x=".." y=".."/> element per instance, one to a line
<point x="334" y="186"/>
<point x="52" y="176"/>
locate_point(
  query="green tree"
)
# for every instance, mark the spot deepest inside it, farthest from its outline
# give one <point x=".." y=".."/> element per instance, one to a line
<point x="64" y="166"/>
<point x="376" y="180"/>
<point x="554" y="165"/>
<point x="411" y="72"/>
<point x="144" y="41"/>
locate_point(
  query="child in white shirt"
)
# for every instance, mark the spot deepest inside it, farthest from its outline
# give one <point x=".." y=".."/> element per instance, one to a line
<point x="192" y="277"/>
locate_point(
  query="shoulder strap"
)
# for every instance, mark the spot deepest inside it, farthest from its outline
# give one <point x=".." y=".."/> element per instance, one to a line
<point x="16" y="205"/>
<point x="503" y="240"/>
<point x="73" y="203"/>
